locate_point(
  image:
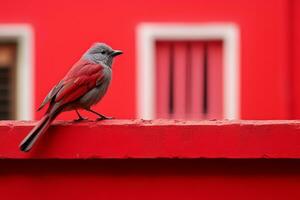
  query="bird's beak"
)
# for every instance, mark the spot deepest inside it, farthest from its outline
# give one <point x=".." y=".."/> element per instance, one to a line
<point x="116" y="53"/>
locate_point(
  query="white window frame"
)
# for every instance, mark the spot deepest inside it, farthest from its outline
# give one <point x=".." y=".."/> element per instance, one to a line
<point x="149" y="33"/>
<point x="23" y="35"/>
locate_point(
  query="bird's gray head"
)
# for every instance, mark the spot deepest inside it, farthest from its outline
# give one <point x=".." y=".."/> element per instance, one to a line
<point x="101" y="53"/>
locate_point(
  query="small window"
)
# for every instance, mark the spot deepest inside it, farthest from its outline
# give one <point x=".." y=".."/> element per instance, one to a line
<point x="189" y="79"/>
<point x="7" y="80"/>
<point x="188" y="71"/>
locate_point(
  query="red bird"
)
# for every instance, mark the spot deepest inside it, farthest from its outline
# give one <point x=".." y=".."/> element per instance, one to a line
<point x="83" y="86"/>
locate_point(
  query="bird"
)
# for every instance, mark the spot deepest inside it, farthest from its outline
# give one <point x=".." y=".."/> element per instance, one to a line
<point x="83" y="86"/>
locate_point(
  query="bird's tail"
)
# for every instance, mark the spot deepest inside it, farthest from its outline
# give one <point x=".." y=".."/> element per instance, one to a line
<point x="38" y="130"/>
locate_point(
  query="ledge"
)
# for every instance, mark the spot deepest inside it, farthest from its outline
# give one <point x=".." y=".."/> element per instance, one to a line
<point x="123" y="139"/>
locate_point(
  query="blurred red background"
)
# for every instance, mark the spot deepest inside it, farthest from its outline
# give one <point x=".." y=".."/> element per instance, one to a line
<point x="269" y="70"/>
<point x="270" y="46"/>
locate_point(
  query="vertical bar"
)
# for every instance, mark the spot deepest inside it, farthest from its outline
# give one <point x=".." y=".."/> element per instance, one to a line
<point x="215" y="80"/>
<point x="197" y="61"/>
<point x="171" y="81"/>
<point x="205" y="81"/>
<point x="180" y="64"/>
<point x="163" y="79"/>
<point x="188" y="82"/>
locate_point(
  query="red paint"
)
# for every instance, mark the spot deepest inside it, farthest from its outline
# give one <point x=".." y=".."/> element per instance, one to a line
<point x="74" y="161"/>
<point x="65" y="29"/>
<point x="295" y="57"/>
<point x="215" y="80"/>
<point x="162" y="79"/>
<point x="270" y="60"/>
<point x="184" y="64"/>
<point x="150" y="179"/>
<point x="179" y="89"/>
<point x="156" y="139"/>
<point x="197" y="60"/>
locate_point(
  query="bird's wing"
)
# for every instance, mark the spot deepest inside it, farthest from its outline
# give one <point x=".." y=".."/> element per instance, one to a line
<point x="51" y="94"/>
<point x="82" y="77"/>
<point x="83" y="81"/>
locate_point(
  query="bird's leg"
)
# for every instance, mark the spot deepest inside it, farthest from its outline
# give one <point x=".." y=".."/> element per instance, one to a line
<point x="101" y="117"/>
<point x="80" y="118"/>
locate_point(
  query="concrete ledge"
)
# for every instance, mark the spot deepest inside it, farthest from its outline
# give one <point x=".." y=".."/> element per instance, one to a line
<point x="123" y="139"/>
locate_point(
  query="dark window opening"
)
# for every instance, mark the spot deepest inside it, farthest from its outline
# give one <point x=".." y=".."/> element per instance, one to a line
<point x="171" y="88"/>
<point x="7" y="80"/>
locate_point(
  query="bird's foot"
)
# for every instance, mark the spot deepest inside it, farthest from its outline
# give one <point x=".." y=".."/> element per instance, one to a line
<point x="80" y="119"/>
<point x="103" y="117"/>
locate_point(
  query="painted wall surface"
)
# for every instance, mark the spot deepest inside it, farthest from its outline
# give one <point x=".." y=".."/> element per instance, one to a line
<point x="65" y="29"/>
<point x="295" y="58"/>
<point x="150" y="179"/>
<point x="134" y="159"/>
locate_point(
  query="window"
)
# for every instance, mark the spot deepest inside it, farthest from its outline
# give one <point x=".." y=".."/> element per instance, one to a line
<point x="16" y="71"/>
<point x="189" y="79"/>
<point x="7" y="80"/>
<point x="214" y="47"/>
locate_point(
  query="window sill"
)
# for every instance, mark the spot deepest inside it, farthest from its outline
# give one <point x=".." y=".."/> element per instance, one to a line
<point x="122" y="139"/>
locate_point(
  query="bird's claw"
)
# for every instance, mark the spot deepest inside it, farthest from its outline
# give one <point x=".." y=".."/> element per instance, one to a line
<point x="80" y="119"/>
<point x="103" y="118"/>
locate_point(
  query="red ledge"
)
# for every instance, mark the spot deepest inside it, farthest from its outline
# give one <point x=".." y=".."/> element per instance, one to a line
<point x="155" y="139"/>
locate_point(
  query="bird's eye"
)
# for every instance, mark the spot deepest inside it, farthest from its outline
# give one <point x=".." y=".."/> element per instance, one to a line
<point x="102" y="52"/>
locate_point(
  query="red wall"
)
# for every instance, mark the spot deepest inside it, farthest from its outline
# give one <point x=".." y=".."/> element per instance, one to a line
<point x="65" y="29"/>
<point x="295" y="57"/>
<point x="150" y="179"/>
<point x="137" y="159"/>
